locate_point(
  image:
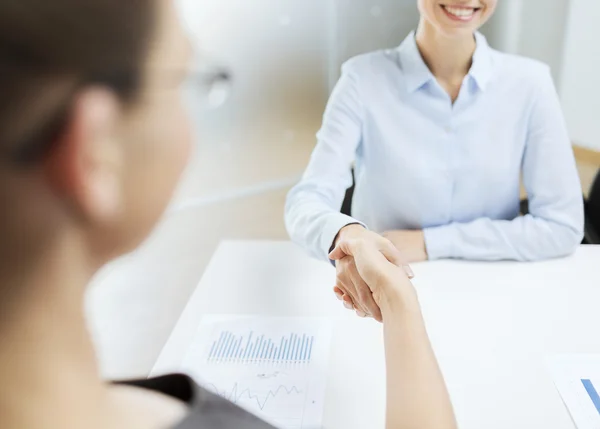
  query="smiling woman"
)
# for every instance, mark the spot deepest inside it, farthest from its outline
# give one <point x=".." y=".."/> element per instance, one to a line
<point x="440" y="131"/>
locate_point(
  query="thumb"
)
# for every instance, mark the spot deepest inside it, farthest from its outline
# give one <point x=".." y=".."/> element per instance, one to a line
<point x="338" y="253"/>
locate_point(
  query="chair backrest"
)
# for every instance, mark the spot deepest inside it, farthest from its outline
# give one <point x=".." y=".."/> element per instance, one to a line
<point x="592" y="213"/>
<point x="594" y="196"/>
<point x="347" y="204"/>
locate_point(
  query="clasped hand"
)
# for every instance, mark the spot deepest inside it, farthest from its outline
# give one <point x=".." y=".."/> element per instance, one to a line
<point x="400" y="248"/>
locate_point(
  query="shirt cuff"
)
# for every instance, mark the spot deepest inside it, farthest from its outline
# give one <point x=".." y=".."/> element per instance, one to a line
<point x="332" y="227"/>
<point x="439" y="242"/>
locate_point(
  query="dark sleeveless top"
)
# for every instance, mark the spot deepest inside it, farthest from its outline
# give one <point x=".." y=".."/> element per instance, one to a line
<point x="206" y="410"/>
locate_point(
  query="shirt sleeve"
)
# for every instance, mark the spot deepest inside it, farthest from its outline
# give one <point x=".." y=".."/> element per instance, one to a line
<point x="312" y="212"/>
<point x="554" y="226"/>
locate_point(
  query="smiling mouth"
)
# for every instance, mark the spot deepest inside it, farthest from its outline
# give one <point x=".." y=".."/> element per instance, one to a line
<point x="460" y="13"/>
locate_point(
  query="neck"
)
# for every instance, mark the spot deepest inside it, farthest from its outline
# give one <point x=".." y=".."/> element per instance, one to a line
<point x="47" y="357"/>
<point x="448" y="58"/>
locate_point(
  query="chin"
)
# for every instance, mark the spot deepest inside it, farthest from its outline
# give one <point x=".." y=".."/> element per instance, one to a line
<point x="453" y="32"/>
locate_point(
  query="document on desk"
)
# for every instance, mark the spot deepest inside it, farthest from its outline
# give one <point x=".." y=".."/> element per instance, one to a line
<point x="577" y="378"/>
<point x="276" y="368"/>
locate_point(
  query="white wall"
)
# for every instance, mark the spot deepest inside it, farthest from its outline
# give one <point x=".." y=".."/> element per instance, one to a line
<point x="277" y="51"/>
<point x="364" y="26"/>
<point x="533" y="28"/>
<point x="580" y="91"/>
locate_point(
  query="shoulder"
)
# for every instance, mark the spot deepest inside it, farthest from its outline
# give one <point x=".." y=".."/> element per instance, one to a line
<point x="370" y="63"/>
<point x="521" y="71"/>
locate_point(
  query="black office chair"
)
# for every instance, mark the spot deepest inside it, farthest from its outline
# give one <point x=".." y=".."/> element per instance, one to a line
<point x="592" y="213"/>
<point x="592" y="210"/>
<point x="347" y="204"/>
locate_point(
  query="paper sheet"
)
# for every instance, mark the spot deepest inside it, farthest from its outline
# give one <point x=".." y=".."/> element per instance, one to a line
<point x="577" y="378"/>
<point x="275" y="368"/>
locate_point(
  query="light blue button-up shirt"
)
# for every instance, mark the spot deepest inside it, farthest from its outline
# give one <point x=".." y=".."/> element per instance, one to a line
<point x="452" y="170"/>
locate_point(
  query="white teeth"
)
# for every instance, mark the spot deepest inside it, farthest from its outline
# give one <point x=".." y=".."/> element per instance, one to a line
<point x="460" y="12"/>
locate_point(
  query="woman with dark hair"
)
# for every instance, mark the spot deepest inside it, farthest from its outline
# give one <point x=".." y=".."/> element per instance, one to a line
<point x="93" y="137"/>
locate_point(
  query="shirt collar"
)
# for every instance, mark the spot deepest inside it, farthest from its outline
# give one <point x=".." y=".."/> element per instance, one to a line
<point x="481" y="70"/>
<point x="417" y="74"/>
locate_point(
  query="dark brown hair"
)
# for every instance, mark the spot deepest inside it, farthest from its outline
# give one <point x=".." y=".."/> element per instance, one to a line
<point x="49" y="49"/>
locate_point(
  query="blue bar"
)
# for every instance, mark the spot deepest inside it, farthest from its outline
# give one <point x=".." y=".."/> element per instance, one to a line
<point x="225" y="342"/>
<point x="233" y="348"/>
<point x="239" y="348"/>
<point x="229" y="346"/>
<point x="262" y="350"/>
<point x="289" y="347"/>
<point x="303" y="350"/>
<point x="255" y="352"/>
<point x="293" y="355"/>
<point x="307" y="346"/>
<point x="271" y="351"/>
<point x="312" y="339"/>
<point x="591" y="390"/>
<point x="259" y="349"/>
<point x="275" y="353"/>
<point x="280" y="347"/>
<point x="293" y="351"/>
<point x="297" y="348"/>
<point x="292" y="347"/>
<point x="260" y="346"/>
<point x="285" y="346"/>
<point x="221" y="344"/>
<point x="212" y="349"/>
<point x="249" y="352"/>
<point x="245" y="355"/>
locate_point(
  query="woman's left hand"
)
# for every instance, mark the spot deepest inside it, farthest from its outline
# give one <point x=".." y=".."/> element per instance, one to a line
<point x="410" y="243"/>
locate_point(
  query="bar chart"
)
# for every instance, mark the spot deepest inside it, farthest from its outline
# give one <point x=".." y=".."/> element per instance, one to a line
<point x="256" y="347"/>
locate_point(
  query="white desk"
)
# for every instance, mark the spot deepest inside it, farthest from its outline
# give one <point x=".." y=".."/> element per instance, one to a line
<point x="491" y="326"/>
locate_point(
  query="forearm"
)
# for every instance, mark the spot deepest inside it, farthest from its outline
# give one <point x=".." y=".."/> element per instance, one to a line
<point x="313" y="223"/>
<point x="526" y="238"/>
<point x="417" y="397"/>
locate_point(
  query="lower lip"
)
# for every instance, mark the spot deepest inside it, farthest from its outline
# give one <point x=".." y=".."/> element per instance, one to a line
<point x="460" y="18"/>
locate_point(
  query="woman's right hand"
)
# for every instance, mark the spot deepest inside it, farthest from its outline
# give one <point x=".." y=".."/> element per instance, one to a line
<point x="380" y="265"/>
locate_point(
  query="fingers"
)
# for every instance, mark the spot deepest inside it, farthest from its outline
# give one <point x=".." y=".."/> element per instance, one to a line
<point x="348" y="303"/>
<point x="338" y="293"/>
<point x="347" y="282"/>
<point x="392" y="254"/>
<point x="365" y="296"/>
<point x="342" y="296"/>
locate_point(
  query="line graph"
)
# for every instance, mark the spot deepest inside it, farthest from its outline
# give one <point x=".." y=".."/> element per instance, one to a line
<point x="235" y="394"/>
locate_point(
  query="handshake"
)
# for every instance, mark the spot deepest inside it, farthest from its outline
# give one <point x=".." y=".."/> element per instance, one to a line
<point x="373" y="270"/>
